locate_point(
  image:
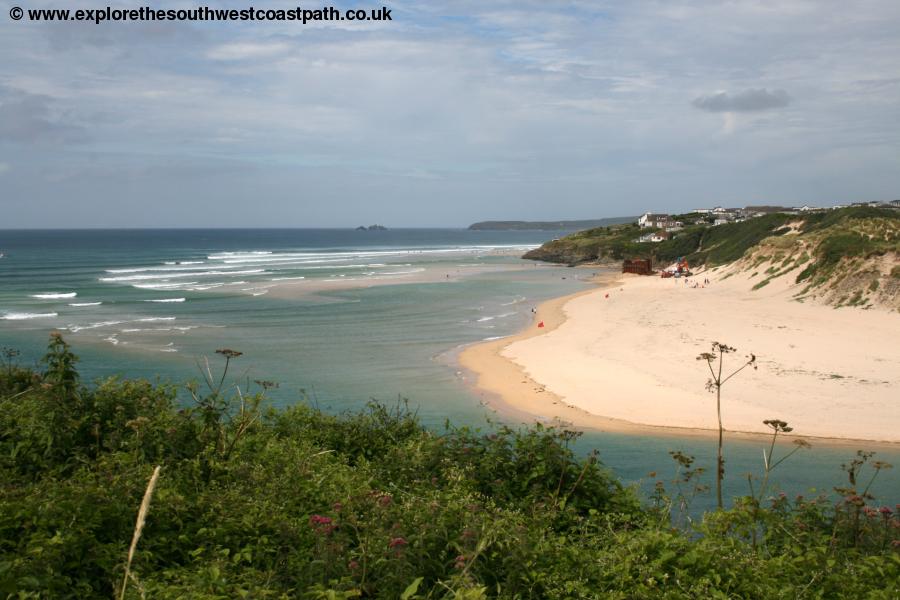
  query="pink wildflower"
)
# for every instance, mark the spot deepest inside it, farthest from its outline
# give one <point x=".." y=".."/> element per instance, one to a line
<point x="323" y="525"/>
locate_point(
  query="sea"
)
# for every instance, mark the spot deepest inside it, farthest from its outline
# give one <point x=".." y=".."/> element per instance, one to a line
<point x="337" y="318"/>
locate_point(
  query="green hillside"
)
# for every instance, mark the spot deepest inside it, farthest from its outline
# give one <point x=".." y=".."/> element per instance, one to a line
<point x="706" y="244"/>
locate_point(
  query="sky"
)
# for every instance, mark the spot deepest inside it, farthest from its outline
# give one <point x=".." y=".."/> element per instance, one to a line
<point x="453" y="112"/>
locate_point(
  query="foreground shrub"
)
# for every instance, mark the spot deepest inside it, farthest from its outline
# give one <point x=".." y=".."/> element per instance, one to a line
<point x="298" y="503"/>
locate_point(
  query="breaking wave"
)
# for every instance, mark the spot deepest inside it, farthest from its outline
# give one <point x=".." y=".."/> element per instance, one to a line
<point x="12" y="316"/>
<point x="491" y="318"/>
<point x="193" y="273"/>
<point x="54" y="295"/>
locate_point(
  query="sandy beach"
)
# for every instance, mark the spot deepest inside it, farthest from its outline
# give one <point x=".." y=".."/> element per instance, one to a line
<point x="622" y="357"/>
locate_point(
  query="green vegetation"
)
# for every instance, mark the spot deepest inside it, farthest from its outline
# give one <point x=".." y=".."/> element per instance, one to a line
<point x="588" y="245"/>
<point x="851" y="239"/>
<point x="704" y="244"/>
<point x="699" y="243"/>
<point x="256" y="503"/>
<point x="818" y="221"/>
<point x="834" y="248"/>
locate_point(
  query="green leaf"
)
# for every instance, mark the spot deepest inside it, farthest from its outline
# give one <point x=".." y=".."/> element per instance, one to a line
<point x="411" y="589"/>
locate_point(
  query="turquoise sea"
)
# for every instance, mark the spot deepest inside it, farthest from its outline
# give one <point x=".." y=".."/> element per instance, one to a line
<point x="369" y="314"/>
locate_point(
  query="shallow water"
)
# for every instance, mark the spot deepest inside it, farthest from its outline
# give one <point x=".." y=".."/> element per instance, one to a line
<point x="154" y="303"/>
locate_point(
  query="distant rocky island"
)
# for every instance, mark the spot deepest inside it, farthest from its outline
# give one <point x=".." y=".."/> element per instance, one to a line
<point x="371" y="228"/>
<point x="548" y="225"/>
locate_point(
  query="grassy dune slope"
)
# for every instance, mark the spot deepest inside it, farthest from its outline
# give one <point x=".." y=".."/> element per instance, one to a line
<point x="847" y="262"/>
<point x="841" y="257"/>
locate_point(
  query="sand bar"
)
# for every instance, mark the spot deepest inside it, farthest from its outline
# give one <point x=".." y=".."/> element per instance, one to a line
<point x="623" y="358"/>
<point x="392" y="274"/>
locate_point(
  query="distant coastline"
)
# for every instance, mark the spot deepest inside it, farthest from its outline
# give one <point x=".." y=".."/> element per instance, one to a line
<point x="549" y="225"/>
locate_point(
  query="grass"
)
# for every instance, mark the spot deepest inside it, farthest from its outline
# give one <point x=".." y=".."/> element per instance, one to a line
<point x="841" y="249"/>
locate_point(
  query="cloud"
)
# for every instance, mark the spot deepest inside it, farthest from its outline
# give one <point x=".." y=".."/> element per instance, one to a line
<point x="242" y="51"/>
<point x="28" y="117"/>
<point x="509" y="108"/>
<point x="4" y="168"/>
<point x="746" y="101"/>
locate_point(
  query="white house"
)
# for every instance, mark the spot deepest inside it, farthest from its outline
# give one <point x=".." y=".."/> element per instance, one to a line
<point x="658" y="221"/>
<point x="652" y="220"/>
<point x="654" y="237"/>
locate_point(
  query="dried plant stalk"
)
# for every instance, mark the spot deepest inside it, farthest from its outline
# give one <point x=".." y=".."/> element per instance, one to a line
<point x="139" y="527"/>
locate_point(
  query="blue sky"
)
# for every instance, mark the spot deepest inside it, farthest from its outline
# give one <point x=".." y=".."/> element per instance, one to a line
<point x="451" y="113"/>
